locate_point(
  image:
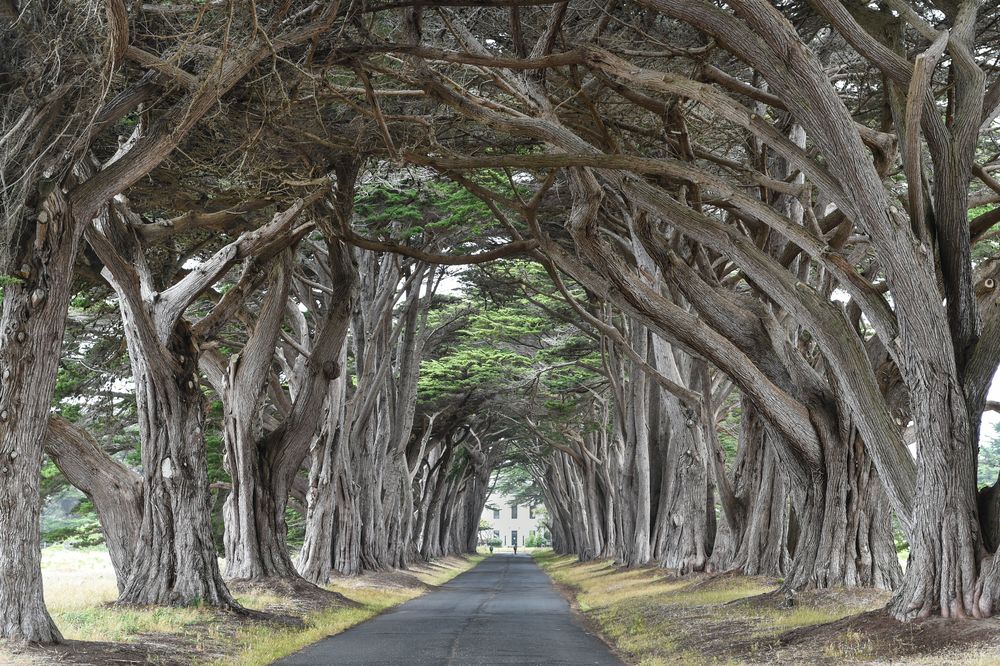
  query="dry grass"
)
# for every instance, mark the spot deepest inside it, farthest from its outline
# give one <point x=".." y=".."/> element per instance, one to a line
<point x="262" y="645"/>
<point x="654" y="618"/>
<point x="80" y="588"/>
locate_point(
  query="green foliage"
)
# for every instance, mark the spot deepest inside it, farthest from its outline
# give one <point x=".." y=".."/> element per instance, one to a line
<point x="426" y="207"/>
<point x="80" y="532"/>
<point x="989" y="459"/>
<point x="77" y="527"/>
<point x="296" y="524"/>
<point x="516" y="482"/>
<point x="537" y="540"/>
<point x="989" y="247"/>
<point x="469" y="368"/>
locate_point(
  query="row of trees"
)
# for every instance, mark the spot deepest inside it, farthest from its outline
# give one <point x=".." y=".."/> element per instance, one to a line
<point x="785" y="206"/>
<point x="791" y="192"/>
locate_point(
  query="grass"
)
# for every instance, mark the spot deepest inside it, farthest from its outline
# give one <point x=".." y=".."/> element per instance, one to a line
<point x="262" y="645"/>
<point x="80" y="588"/>
<point x="652" y="617"/>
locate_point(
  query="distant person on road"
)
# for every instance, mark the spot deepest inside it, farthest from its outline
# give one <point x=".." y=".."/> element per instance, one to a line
<point x="491" y="550"/>
<point x="515" y="549"/>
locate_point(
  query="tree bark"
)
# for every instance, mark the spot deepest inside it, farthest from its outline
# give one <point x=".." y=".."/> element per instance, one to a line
<point x="943" y="574"/>
<point x="755" y="540"/>
<point x="845" y="530"/>
<point x="31" y="329"/>
<point x="115" y="490"/>
<point x="175" y="561"/>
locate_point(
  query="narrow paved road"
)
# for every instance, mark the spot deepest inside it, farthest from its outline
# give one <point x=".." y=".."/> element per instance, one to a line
<point x="503" y="611"/>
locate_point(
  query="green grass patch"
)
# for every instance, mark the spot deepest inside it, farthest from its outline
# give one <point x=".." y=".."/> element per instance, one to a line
<point x="80" y="590"/>
<point x="263" y="644"/>
<point x="654" y="617"/>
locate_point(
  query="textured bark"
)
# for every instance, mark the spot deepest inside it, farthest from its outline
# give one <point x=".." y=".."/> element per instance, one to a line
<point x="31" y="329"/>
<point x="845" y="531"/>
<point x="681" y="536"/>
<point x="254" y="511"/>
<point x="332" y="541"/>
<point x="175" y="562"/>
<point x="115" y="490"/>
<point x="432" y="541"/>
<point x="943" y="573"/>
<point x="264" y="465"/>
<point x="638" y="519"/>
<point x="174" y="559"/>
<point x="755" y="540"/>
<point x="361" y="502"/>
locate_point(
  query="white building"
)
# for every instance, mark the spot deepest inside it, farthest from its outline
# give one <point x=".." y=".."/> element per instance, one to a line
<point x="512" y="523"/>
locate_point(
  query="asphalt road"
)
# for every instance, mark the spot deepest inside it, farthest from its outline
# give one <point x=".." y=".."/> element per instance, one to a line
<point x="503" y="611"/>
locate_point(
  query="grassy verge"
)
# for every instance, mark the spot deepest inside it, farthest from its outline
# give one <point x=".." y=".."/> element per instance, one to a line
<point x="653" y="617"/>
<point x="262" y="644"/>
<point x="80" y="587"/>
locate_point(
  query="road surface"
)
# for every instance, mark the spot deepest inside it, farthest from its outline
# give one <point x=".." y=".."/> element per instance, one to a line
<point x="502" y="611"/>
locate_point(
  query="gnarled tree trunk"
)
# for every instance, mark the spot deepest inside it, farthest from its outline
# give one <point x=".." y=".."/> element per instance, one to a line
<point x="31" y="329"/>
<point x="115" y="490"/>
<point x="175" y="561"/>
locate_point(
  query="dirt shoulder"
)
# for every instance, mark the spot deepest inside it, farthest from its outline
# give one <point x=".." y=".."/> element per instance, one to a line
<point x="652" y="617"/>
<point x="100" y="633"/>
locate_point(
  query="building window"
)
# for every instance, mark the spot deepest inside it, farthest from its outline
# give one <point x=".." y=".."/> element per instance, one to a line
<point x="496" y="514"/>
<point x="513" y="512"/>
<point x="531" y="512"/>
<point x="513" y="537"/>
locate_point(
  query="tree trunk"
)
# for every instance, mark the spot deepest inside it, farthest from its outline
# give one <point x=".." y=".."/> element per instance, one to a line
<point x="942" y="576"/>
<point x="754" y="542"/>
<point x="682" y="517"/>
<point x="175" y="561"/>
<point x="316" y="558"/>
<point x="845" y="530"/>
<point x="254" y="511"/>
<point x="264" y="466"/>
<point x="431" y="546"/>
<point x="115" y="490"/>
<point x="254" y="514"/>
<point x="681" y="534"/>
<point x="31" y="328"/>
<point x="333" y="538"/>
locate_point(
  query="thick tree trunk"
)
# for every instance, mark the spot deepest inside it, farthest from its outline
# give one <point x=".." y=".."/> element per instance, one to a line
<point x="333" y="528"/>
<point x="316" y="557"/>
<point x="431" y="546"/>
<point x="755" y="541"/>
<point x="347" y="540"/>
<point x="759" y="536"/>
<point x="175" y="561"/>
<point x="31" y="330"/>
<point x="681" y="534"/>
<point x="254" y="512"/>
<point x="943" y="573"/>
<point x="844" y="526"/>
<point x="264" y="467"/>
<point x="477" y="490"/>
